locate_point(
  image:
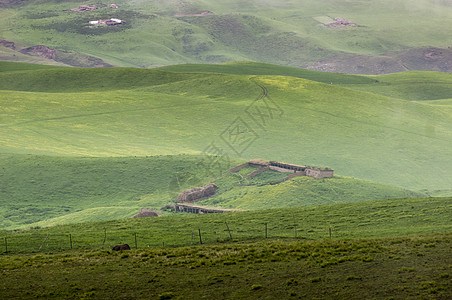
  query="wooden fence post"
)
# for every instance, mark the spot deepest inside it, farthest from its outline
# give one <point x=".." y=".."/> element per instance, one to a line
<point x="44" y="242"/>
<point x="70" y="240"/>
<point x="6" y="245"/>
<point x="230" y="235"/>
<point x="200" y="239"/>
<point x="330" y="232"/>
<point x="265" y="230"/>
<point x="192" y="234"/>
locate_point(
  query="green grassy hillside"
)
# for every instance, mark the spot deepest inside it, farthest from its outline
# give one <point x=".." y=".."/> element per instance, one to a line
<point x="86" y="144"/>
<point x="253" y="68"/>
<point x="15" y="66"/>
<point x="416" y="86"/>
<point x="406" y="85"/>
<point x="52" y="190"/>
<point x="359" y="134"/>
<point x="286" y="32"/>
<point x="263" y="191"/>
<point x="365" y="219"/>
<point x="58" y="190"/>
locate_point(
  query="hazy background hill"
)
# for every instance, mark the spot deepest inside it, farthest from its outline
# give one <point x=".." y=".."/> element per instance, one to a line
<point x="372" y="37"/>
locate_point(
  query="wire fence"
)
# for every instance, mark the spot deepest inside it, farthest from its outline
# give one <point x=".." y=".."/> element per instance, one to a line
<point x="42" y="241"/>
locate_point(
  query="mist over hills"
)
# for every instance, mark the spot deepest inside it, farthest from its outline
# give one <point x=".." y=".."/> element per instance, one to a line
<point x="360" y="37"/>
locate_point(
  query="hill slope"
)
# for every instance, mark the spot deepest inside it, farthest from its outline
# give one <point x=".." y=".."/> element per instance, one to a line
<point x="264" y="191"/>
<point x="364" y="219"/>
<point x="367" y="39"/>
<point x="70" y="137"/>
<point x="360" y="134"/>
<point x="46" y="190"/>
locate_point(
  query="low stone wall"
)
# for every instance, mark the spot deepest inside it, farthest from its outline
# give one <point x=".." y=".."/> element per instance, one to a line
<point x="296" y="174"/>
<point x="319" y="173"/>
<point x="198" y="209"/>
<point x="287" y="166"/>
<point x="282" y="170"/>
<point x="255" y="173"/>
<point x="235" y="169"/>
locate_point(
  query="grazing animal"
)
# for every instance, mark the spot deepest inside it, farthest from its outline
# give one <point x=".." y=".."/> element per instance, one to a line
<point x="121" y="247"/>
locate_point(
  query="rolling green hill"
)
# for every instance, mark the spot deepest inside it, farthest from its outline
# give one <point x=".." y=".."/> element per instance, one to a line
<point x="91" y="144"/>
<point x="235" y="191"/>
<point x="195" y="92"/>
<point x="15" y="66"/>
<point x="59" y="190"/>
<point x="123" y="112"/>
<point x="52" y="190"/>
<point x="406" y="85"/>
<point x="388" y="36"/>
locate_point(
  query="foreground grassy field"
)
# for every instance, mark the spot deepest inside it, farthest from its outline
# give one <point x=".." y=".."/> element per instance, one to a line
<point x="397" y="268"/>
<point x="390" y="248"/>
<point x="380" y="249"/>
<point x="365" y="219"/>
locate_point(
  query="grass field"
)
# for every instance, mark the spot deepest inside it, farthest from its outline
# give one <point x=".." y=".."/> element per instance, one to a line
<point x="82" y="150"/>
<point x="287" y="33"/>
<point x="364" y="219"/>
<point x="396" y="248"/>
<point x="163" y="113"/>
<point x="84" y="144"/>
<point x="45" y="190"/>
<point x="408" y="267"/>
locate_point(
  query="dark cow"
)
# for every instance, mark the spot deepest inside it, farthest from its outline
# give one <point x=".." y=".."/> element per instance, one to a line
<point x="121" y="247"/>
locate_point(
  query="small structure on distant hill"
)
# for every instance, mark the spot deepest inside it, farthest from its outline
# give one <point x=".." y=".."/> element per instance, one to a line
<point x="295" y="170"/>
<point x="109" y="22"/>
<point x="197" y="194"/>
<point x="341" y="22"/>
<point x="146" y="212"/>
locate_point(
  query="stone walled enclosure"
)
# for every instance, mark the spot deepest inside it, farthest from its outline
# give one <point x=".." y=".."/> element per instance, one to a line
<point x="292" y="170"/>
